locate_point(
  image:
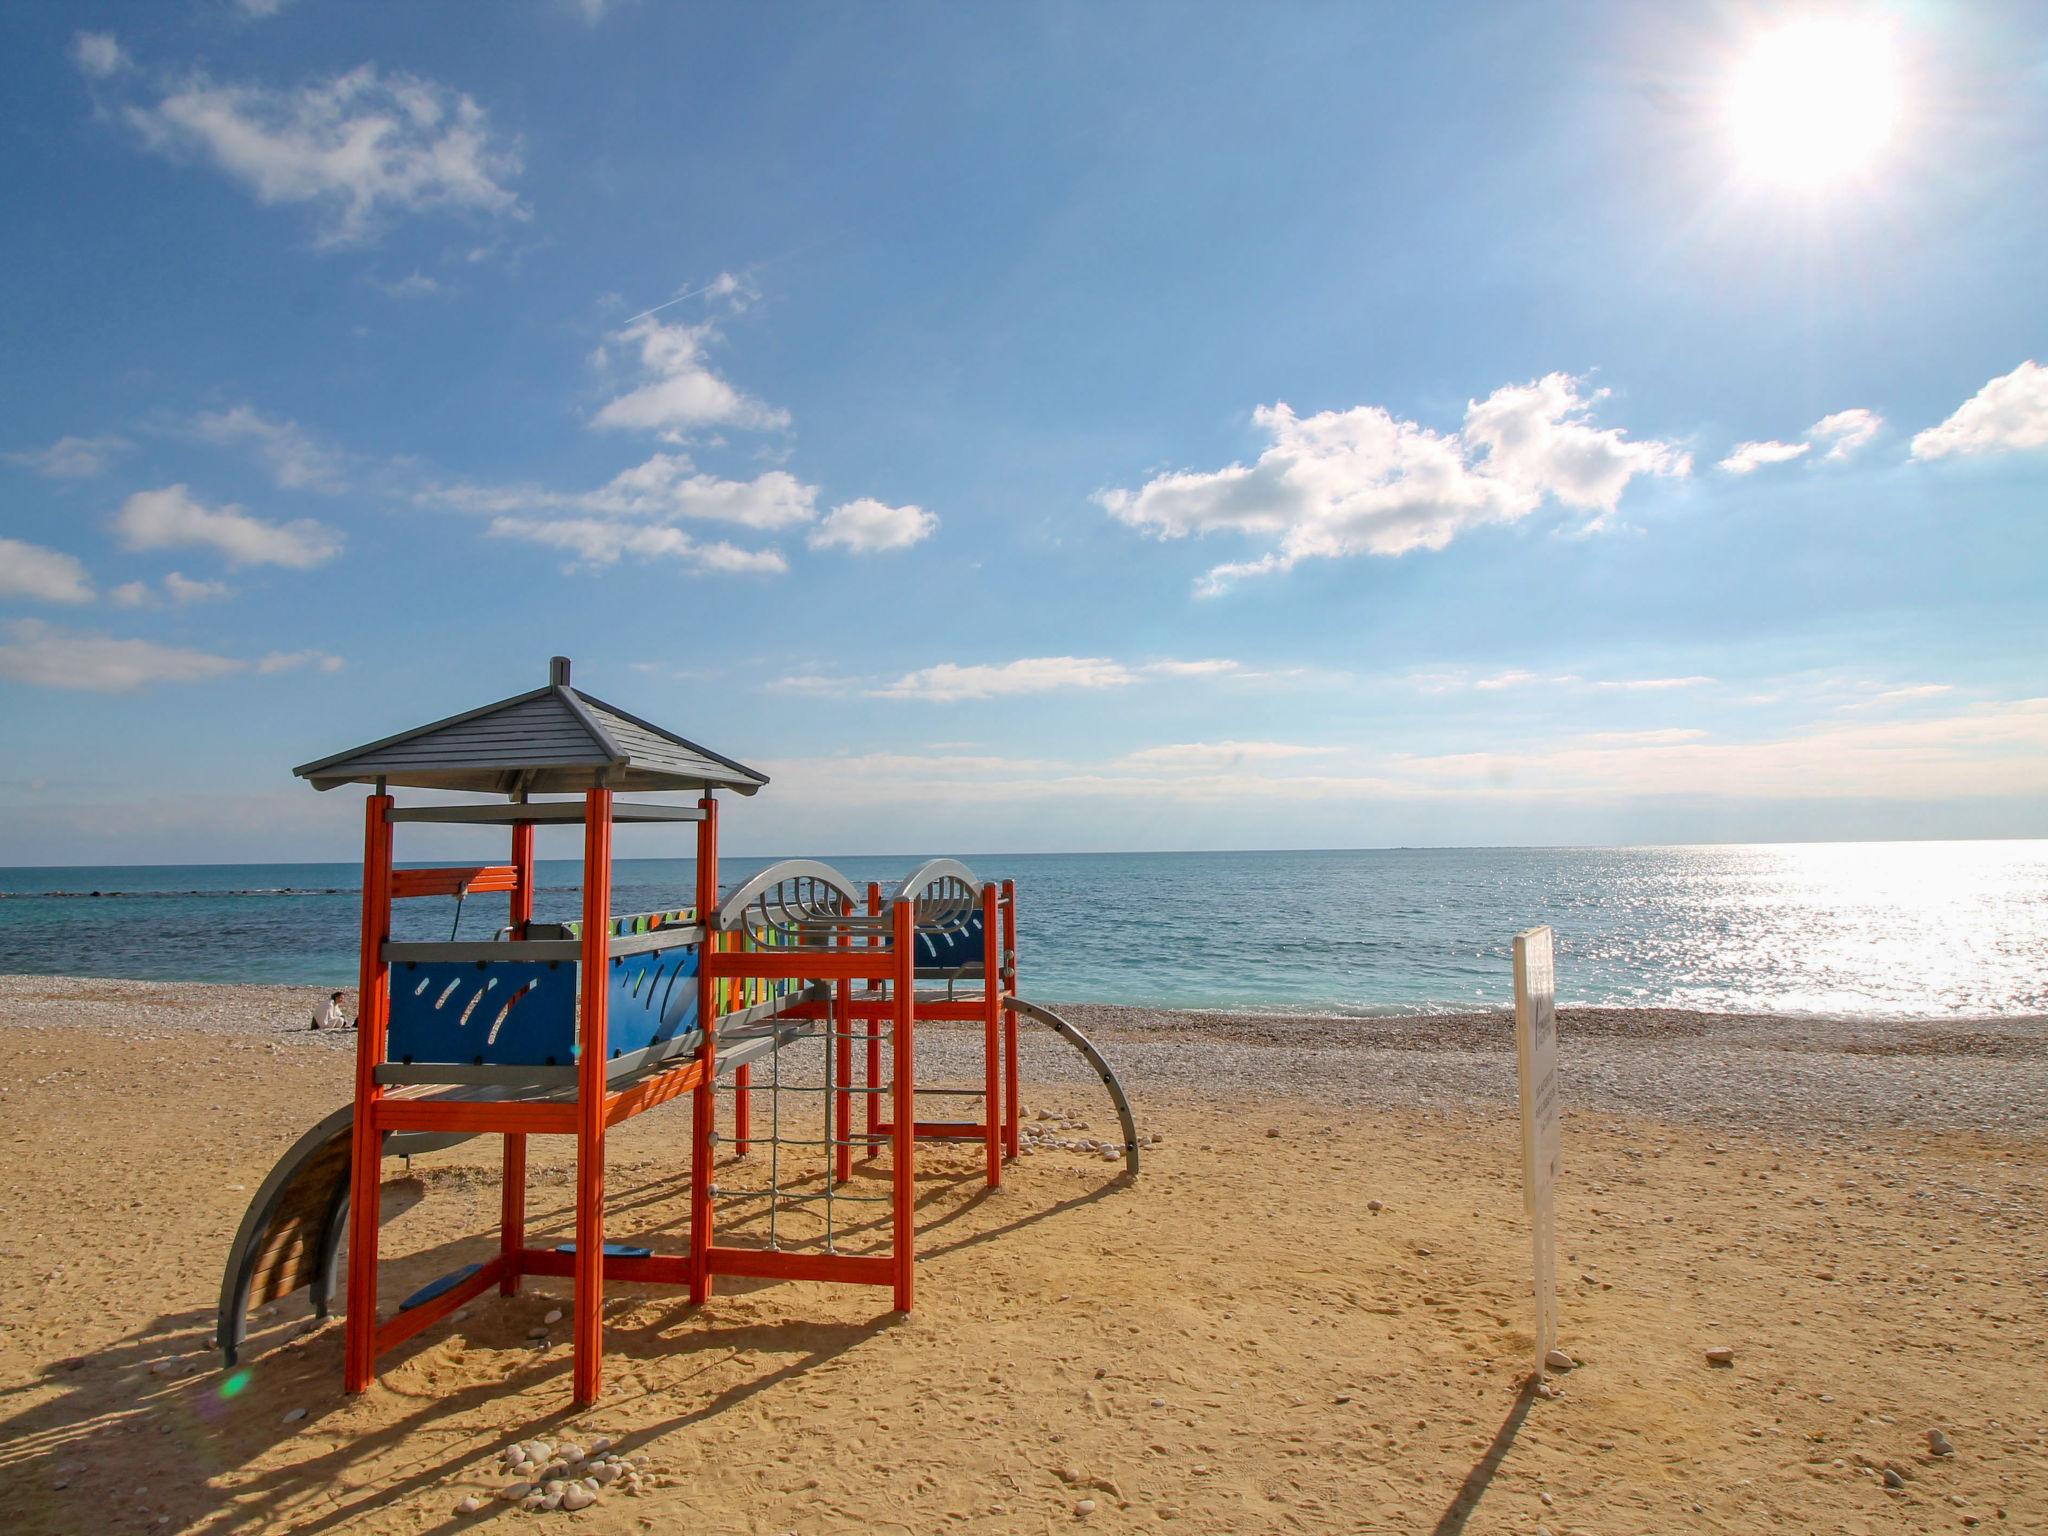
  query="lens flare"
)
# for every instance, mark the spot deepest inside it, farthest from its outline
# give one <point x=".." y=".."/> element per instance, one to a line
<point x="1815" y="102"/>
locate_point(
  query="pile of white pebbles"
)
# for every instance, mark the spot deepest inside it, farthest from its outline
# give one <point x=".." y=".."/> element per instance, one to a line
<point x="559" y="1474"/>
<point x="1042" y="1131"/>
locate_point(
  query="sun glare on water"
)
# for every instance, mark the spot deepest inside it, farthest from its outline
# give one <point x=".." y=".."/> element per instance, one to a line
<point x="1815" y="102"/>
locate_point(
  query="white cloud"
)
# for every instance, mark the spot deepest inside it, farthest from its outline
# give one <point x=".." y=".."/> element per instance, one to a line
<point x="358" y="147"/>
<point x="414" y="285"/>
<point x="666" y="488"/>
<point x="296" y="462"/>
<point x="49" y="657"/>
<point x="867" y="526"/>
<point x="679" y="392"/>
<point x="291" y="661"/>
<point x="71" y="458"/>
<point x="1522" y="679"/>
<point x="598" y="541"/>
<point x="1841" y="433"/>
<point x="949" y="682"/>
<point x="2009" y="412"/>
<point x="1846" y="430"/>
<point x="1746" y="458"/>
<point x="1209" y="666"/>
<point x="98" y="55"/>
<point x="261" y="10"/>
<point x="178" y="588"/>
<point x="173" y="517"/>
<point x="1362" y="481"/>
<point x="45" y="575"/>
<point x="1210" y="755"/>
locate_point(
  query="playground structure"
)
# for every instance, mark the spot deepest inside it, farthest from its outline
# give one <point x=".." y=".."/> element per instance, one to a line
<point x="572" y="1028"/>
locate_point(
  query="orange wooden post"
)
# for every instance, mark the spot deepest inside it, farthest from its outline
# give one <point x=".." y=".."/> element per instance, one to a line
<point x="991" y="1040"/>
<point x="874" y="1041"/>
<point x="1008" y="964"/>
<point x="704" y="1105"/>
<point x="905" y="1099"/>
<point x="591" y="1061"/>
<point x="512" y="1196"/>
<point x="842" y="1065"/>
<point x="373" y="1021"/>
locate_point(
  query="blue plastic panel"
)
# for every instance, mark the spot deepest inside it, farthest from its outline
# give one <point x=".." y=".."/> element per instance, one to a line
<point x="948" y="951"/>
<point x="496" y="1012"/>
<point x="653" y="998"/>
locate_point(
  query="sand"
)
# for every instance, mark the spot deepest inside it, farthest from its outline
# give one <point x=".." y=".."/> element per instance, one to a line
<point x="1235" y="1342"/>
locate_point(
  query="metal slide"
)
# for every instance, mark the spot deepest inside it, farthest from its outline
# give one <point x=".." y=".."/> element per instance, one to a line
<point x="1086" y="1047"/>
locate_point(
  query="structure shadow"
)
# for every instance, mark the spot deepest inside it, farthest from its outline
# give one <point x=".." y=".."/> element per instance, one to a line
<point x="1480" y="1478"/>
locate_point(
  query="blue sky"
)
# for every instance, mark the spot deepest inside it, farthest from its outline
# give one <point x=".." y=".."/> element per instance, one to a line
<point x="1039" y="427"/>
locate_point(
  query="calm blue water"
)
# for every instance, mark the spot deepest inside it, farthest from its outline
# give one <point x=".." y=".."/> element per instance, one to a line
<point x="1892" y="929"/>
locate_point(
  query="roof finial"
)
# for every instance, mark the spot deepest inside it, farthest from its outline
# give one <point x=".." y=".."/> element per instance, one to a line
<point x="558" y="671"/>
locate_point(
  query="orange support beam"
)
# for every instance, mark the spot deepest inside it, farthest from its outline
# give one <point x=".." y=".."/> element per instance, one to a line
<point x="476" y="878"/>
<point x="704" y="1108"/>
<point x="783" y="1264"/>
<point x="874" y="1044"/>
<point x="373" y="1022"/>
<point x="512" y="1212"/>
<point x="428" y="1313"/>
<point x="536" y="1117"/>
<point x="521" y="912"/>
<point x="652" y="1092"/>
<point x="991" y="1041"/>
<point x="904" y="934"/>
<point x="590" y="1094"/>
<point x="1005" y="961"/>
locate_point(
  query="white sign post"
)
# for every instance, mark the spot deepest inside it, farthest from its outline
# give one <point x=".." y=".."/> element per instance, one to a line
<point x="1536" y="1051"/>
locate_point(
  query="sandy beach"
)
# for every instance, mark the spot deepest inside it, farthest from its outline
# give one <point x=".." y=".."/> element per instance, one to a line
<point x="1308" y="1314"/>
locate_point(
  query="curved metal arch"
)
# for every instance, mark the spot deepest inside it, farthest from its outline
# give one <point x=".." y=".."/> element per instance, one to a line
<point x="931" y="872"/>
<point x="1098" y="1061"/>
<point x="775" y="874"/>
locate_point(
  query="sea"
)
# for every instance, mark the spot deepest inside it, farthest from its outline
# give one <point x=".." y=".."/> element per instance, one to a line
<point x="1871" y="930"/>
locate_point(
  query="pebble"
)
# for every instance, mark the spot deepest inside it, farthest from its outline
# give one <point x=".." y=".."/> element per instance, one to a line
<point x="1084" y="1506"/>
<point x="1938" y="1444"/>
<point x="600" y="1445"/>
<point x="1892" y="1478"/>
<point x="469" y="1506"/>
<point x="1374" y="1206"/>
<point x="1558" y="1360"/>
<point x="1158" y="1402"/>
<point x="295" y="1415"/>
<point x="605" y="1473"/>
<point x="576" y="1496"/>
<point x="1272" y="1134"/>
<point x="512" y="1493"/>
<point x="1720" y="1354"/>
<point x="554" y="1316"/>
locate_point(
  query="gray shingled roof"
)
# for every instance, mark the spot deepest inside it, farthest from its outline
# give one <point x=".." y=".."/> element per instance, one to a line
<point x="552" y="740"/>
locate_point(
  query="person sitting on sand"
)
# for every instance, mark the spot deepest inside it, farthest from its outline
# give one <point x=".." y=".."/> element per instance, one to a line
<point x="329" y="1015"/>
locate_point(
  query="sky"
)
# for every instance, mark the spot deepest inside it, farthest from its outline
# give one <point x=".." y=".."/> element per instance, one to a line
<point x="1033" y="428"/>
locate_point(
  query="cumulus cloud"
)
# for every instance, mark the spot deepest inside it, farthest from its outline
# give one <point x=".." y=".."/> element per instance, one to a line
<point x="358" y="148"/>
<point x="292" y="661"/>
<point x="1845" y="431"/>
<point x="295" y="461"/>
<point x="178" y="588"/>
<point x="948" y="681"/>
<point x="666" y="488"/>
<point x="49" y="657"/>
<point x="173" y="518"/>
<point x="1212" y="755"/>
<point x="42" y="575"/>
<point x="98" y="55"/>
<point x="2009" y="412"/>
<point x="1841" y="433"/>
<point x="679" y="392"/>
<point x="1364" y="482"/>
<point x="71" y="458"/>
<point x="867" y="526"/>
<point x="1522" y="678"/>
<point x="1746" y="458"/>
<point x="598" y="541"/>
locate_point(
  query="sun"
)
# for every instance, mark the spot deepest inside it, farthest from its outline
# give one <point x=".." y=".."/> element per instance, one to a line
<point x="1815" y="102"/>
